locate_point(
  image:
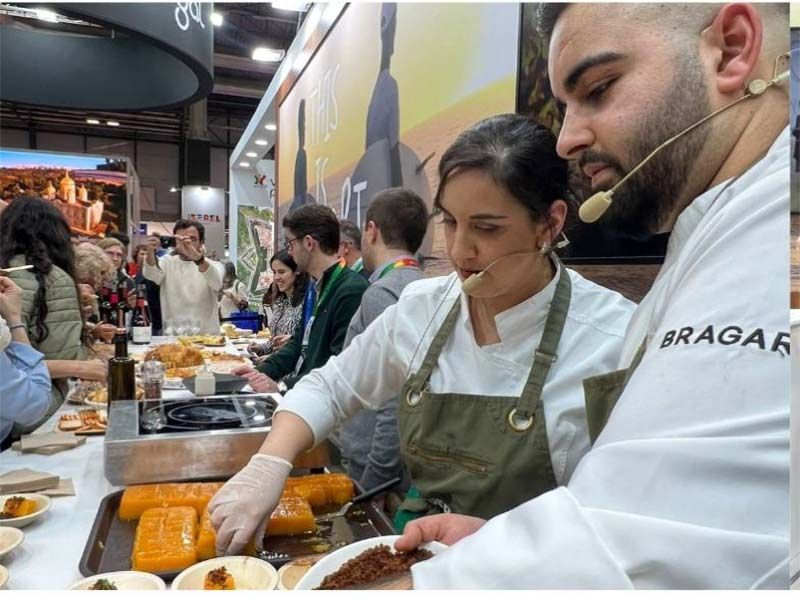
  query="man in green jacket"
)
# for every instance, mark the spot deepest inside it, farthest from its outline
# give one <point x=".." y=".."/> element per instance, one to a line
<point x="312" y="238"/>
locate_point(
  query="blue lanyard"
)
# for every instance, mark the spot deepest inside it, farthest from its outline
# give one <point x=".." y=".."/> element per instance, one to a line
<point x="308" y="303"/>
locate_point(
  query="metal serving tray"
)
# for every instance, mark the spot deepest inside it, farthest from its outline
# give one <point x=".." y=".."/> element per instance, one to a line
<point x="110" y="542"/>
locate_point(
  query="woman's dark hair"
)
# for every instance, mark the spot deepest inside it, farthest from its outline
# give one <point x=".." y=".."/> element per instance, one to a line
<point x="300" y="279"/>
<point x="518" y="154"/>
<point x="36" y="229"/>
<point x="230" y="275"/>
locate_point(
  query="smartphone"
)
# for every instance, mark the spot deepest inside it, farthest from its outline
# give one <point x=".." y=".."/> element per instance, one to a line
<point x="167" y="241"/>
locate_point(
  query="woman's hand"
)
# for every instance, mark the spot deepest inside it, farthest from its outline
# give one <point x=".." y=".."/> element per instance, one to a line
<point x="104" y="331"/>
<point x="93" y="370"/>
<point x="10" y="300"/>
<point x="279" y="341"/>
<point x="447" y="529"/>
<point x="87" y="294"/>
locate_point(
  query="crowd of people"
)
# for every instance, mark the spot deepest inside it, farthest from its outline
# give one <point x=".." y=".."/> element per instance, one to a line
<point x="548" y="429"/>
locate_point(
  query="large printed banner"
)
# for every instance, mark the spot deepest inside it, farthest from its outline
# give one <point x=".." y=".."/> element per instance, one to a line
<point x="90" y="191"/>
<point x="388" y="91"/>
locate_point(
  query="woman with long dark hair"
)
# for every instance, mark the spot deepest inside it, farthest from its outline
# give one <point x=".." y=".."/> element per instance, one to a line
<point x="286" y="304"/>
<point x="33" y="231"/>
<point x="488" y="362"/>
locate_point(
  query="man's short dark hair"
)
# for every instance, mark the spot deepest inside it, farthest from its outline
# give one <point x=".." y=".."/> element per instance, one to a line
<point x="319" y="222"/>
<point x="349" y="231"/>
<point x="186" y="223"/>
<point x="402" y="217"/>
<point x="547" y="15"/>
<point x="121" y="236"/>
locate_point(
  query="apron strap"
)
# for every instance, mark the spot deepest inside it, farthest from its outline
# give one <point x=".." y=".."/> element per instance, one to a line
<point x="522" y="416"/>
<point x="418" y="380"/>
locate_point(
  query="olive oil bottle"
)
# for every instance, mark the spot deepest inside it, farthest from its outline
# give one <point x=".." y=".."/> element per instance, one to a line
<point x="121" y="370"/>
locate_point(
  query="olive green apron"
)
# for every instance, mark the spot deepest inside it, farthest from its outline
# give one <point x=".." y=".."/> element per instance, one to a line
<point x="601" y="393"/>
<point x="472" y="454"/>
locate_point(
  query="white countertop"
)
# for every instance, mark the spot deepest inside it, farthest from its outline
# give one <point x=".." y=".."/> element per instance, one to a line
<point x="49" y="555"/>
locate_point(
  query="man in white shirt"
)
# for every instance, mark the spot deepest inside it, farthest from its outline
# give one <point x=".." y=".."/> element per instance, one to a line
<point x="190" y="282"/>
<point x="687" y="485"/>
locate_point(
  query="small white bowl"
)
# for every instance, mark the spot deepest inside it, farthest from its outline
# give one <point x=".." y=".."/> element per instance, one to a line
<point x="248" y="572"/>
<point x="43" y="505"/>
<point x="124" y="580"/>
<point x="331" y="563"/>
<point x="290" y="574"/>
<point x="3" y="577"/>
<point x="10" y="538"/>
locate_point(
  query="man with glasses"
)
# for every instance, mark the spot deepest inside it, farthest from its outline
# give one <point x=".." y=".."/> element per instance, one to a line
<point x="190" y="282"/>
<point x="312" y="239"/>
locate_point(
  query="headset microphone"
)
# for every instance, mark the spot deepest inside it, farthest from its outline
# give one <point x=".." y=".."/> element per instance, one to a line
<point x="598" y="203"/>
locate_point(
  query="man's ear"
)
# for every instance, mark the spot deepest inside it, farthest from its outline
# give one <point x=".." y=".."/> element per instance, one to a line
<point x="734" y="39"/>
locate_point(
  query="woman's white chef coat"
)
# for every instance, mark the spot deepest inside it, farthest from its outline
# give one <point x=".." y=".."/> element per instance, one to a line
<point x="688" y="484"/>
<point x="374" y="367"/>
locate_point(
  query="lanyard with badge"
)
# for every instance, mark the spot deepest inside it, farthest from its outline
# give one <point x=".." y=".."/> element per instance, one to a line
<point x="310" y="309"/>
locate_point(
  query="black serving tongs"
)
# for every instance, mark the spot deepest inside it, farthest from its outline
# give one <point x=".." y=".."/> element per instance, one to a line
<point x="368" y="495"/>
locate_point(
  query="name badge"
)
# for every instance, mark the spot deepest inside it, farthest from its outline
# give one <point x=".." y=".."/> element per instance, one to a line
<point x="307" y="332"/>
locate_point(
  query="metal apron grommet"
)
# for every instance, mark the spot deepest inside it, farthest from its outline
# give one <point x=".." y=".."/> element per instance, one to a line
<point x="413" y="397"/>
<point x="518" y="423"/>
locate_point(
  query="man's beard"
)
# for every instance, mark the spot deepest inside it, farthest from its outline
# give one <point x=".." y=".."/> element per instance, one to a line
<point x="645" y="202"/>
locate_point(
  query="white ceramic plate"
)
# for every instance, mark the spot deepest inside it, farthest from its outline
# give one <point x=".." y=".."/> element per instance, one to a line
<point x="249" y="573"/>
<point x="10" y="538"/>
<point x="336" y="559"/>
<point x="124" y="580"/>
<point x="43" y="503"/>
<point x="3" y="576"/>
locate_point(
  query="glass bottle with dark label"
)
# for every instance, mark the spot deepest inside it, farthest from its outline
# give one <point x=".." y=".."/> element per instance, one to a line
<point x="121" y="370"/>
<point x="106" y="310"/>
<point x="112" y="310"/>
<point x="141" y="324"/>
<point x="122" y="307"/>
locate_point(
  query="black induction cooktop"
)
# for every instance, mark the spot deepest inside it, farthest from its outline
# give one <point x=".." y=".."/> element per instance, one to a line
<point x="204" y="414"/>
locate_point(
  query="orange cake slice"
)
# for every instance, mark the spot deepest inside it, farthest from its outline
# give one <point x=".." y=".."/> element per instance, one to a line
<point x="165" y="540"/>
<point x="219" y="579"/>
<point x="292" y="516"/>
<point x="207" y="540"/>
<point x="321" y="490"/>
<point x="17" y="506"/>
<point x="138" y="498"/>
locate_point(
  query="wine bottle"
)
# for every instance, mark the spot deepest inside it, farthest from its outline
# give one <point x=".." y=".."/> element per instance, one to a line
<point x="141" y="323"/>
<point x="121" y="370"/>
<point x="122" y="307"/>
<point x="113" y="318"/>
<point x="105" y="308"/>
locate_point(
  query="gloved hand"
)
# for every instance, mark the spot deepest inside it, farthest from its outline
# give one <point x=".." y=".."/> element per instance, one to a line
<point x="242" y="507"/>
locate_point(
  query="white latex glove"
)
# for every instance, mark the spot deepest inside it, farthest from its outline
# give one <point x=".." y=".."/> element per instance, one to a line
<point x="242" y="507"/>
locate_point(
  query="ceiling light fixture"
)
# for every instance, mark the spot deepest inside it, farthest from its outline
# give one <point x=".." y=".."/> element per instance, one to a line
<point x="93" y="121"/>
<point x="244" y="163"/>
<point x="261" y="142"/>
<point x="263" y="54"/>
<point x="173" y="189"/>
<point x="251" y="154"/>
<point x="270" y="127"/>
<point x="112" y="123"/>
<point x="217" y="19"/>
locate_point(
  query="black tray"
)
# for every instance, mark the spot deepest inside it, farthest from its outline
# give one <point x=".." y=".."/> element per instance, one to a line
<point x="110" y="542"/>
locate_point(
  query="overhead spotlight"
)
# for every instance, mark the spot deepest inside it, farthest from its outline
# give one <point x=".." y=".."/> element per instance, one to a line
<point x="263" y="54"/>
<point x="173" y="189"/>
<point x="270" y="127"/>
<point x="93" y="121"/>
<point x="244" y="163"/>
<point x="261" y="143"/>
<point x="251" y="154"/>
<point x="217" y="19"/>
<point x="46" y="15"/>
<point x="112" y="123"/>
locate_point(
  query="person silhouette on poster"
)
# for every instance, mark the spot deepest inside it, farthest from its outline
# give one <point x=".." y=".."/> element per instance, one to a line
<point x="301" y="162"/>
<point x="383" y="117"/>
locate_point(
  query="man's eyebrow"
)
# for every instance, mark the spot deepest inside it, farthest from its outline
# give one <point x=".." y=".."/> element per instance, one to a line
<point x="587" y="63"/>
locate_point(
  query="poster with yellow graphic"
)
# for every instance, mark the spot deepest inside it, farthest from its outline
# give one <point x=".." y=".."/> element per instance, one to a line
<point x="384" y="96"/>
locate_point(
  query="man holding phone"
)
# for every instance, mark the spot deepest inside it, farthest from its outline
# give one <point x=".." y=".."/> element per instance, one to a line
<point x="190" y="282"/>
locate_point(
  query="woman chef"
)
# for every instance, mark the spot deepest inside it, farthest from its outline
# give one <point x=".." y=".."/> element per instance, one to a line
<point x="490" y="381"/>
